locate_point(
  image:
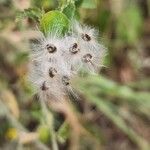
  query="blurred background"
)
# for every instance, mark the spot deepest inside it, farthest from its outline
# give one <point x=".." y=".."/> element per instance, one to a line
<point x="113" y="109"/>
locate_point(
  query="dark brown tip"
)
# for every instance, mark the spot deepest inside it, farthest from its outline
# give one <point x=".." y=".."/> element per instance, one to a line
<point x="86" y="37"/>
<point x="35" y="63"/>
<point x="65" y="80"/>
<point x="51" y="48"/>
<point x="87" y="58"/>
<point x="52" y="72"/>
<point x="74" y="48"/>
<point x="43" y="87"/>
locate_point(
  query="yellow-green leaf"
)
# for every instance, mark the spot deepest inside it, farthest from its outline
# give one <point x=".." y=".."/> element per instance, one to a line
<point x="54" y="22"/>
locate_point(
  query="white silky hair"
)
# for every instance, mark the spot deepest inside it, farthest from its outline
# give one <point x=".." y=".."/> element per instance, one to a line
<point x="55" y="61"/>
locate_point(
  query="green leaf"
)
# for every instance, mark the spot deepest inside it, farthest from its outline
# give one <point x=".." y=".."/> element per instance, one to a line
<point x="54" y="22"/>
<point x="63" y="132"/>
<point x="32" y="13"/>
<point x="69" y="10"/>
<point x="78" y="3"/>
<point x="89" y="4"/>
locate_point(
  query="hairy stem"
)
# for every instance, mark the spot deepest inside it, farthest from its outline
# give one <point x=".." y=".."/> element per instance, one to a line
<point x="49" y="120"/>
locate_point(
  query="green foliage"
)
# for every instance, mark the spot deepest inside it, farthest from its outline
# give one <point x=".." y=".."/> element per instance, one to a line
<point x="93" y="86"/>
<point x="129" y="24"/>
<point x="104" y="18"/>
<point x="32" y="13"/>
<point x="106" y="109"/>
<point x="46" y="4"/>
<point x="100" y="85"/>
<point x="63" y="132"/>
<point x="89" y="4"/>
<point x="69" y="10"/>
<point x="44" y="134"/>
<point x="78" y="3"/>
<point x="20" y="58"/>
<point x="54" y="21"/>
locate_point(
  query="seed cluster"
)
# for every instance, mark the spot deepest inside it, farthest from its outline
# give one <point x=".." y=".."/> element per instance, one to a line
<point x="55" y="61"/>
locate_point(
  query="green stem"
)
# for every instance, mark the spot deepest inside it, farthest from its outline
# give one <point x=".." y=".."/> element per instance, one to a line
<point x="49" y="120"/>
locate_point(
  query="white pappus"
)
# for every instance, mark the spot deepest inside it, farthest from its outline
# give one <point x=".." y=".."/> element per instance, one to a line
<point x="56" y="61"/>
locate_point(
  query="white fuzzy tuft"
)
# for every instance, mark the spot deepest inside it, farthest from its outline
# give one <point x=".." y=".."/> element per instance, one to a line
<point x="56" y="61"/>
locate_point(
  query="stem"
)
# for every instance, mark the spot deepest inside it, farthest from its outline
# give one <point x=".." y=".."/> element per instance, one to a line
<point x="49" y="120"/>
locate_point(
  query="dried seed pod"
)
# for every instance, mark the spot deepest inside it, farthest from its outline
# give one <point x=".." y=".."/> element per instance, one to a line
<point x="86" y="37"/>
<point x="74" y="48"/>
<point x="51" y="48"/>
<point x="87" y="58"/>
<point x="43" y="87"/>
<point x="52" y="72"/>
<point x="65" y="80"/>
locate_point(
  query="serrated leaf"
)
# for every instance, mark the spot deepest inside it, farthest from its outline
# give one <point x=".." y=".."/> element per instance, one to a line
<point x="69" y="10"/>
<point x="32" y="13"/>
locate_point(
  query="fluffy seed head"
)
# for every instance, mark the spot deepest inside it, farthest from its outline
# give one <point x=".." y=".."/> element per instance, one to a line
<point x="55" y="61"/>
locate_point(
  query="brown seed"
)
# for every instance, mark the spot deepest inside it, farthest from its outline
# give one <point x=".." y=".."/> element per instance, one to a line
<point x="74" y="49"/>
<point x="43" y="87"/>
<point x="86" y="37"/>
<point x="52" y="72"/>
<point x="51" y="48"/>
<point x="65" y="80"/>
<point x="87" y="58"/>
<point x="36" y="63"/>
